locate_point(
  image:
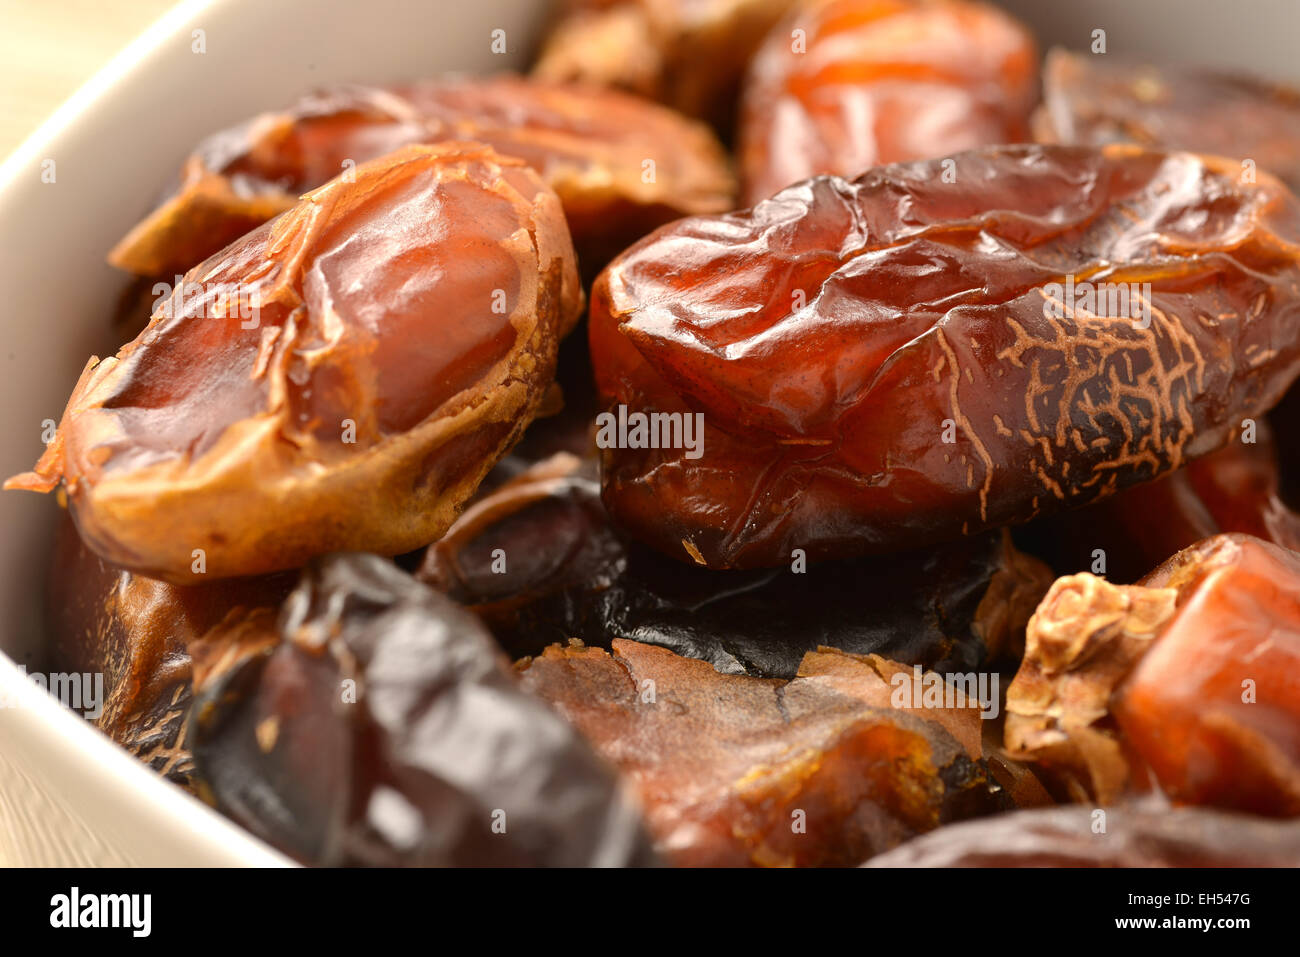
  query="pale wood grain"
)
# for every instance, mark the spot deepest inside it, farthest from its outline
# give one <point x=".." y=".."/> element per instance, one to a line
<point x="48" y="48"/>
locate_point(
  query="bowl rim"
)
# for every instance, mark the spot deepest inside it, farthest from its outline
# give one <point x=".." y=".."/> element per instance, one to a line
<point x="105" y="787"/>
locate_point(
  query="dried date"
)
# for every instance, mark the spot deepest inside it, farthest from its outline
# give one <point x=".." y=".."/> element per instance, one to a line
<point x="138" y="633"/>
<point x="846" y="85"/>
<point x="1189" y="677"/>
<point x="689" y="54"/>
<point x="379" y="725"/>
<point x="338" y="378"/>
<point x="903" y="359"/>
<point x="538" y="561"/>
<point x="620" y="166"/>
<point x="1094" y="100"/>
<point x="727" y="766"/>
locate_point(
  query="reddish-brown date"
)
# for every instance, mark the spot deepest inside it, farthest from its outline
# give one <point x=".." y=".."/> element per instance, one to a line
<point x="621" y="166"/>
<point x="1190" y="677"/>
<point x="1235" y="489"/>
<point x="1094" y="100"/>
<point x="844" y="85"/>
<point x="724" y="764"/>
<point x="342" y="377"/>
<point x="689" y="54"/>
<point x="1135" y="836"/>
<point x="903" y="359"/>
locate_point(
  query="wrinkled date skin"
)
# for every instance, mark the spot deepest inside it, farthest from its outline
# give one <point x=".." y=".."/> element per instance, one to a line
<point x="1136" y="836"/>
<point x="722" y="763"/>
<point x="590" y="146"/>
<point x="380" y="725"/>
<point x="1093" y="100"/>
<point x="137" y="632"/>
<point x="342" y="377"/>
<point x="870" y="82"/>
<point x="538" y="561"/>
<point x="690" y="54"/>
<point x="892" y="362"/>
<point x="1190" y="676"/>
<point x="1235" y="489"/>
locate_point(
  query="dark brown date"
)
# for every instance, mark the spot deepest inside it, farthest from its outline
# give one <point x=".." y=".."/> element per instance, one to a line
<point x="1135" y="836"/>
<point x="538" y="561"/>
<point x="728" y="767"/>
<point x="1191" y="676"/>
<point x="908" y="357"/>
<point x="1094" y="100"/>
<point x="138" y="633"/>
<point x="379" y="725"/>
<point x="342" y="377"/>
<point x="621" y="166"/>
<point x="844" y="85"/>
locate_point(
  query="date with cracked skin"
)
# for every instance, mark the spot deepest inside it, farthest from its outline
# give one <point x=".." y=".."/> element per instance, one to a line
<point x="870" y="82"/>
<point x="538" y="561"/>
<point x="725" y="765"/>
<point x="590" y="146"/>
<point x="340" y="378"/>
<point x="1190" y="677"/>
<point x="1136" y="836"/>
<point x="138" y="633"/>
<point x="901" y="360"/>
<point x="378" y="724"/>
<point x="1094" y="100"/>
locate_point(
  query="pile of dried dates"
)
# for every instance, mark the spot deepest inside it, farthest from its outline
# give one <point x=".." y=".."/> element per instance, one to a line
<point x="769" y="433"/>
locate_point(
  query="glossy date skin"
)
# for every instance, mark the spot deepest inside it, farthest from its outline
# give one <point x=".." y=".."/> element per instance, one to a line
<point x="870" y="82"/>
<point x="1236" y="489"/>
<point x="1095" y="100"/>
<point x="1136" y="836"/>
<point x="138" y="633"/>
<point x="591" y="146"/>
<point x="690" y="54"/>
<point x="343" y="377"/>
<point x="379" y="725"/>
<point x="538" y="561"/>
<point x="890" y="362"/>
<point x="1190" y="677"/>
<point x="722" y="763"/>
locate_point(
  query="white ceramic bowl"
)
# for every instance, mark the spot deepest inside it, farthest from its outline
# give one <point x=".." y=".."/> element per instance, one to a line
<point x="67" y="795"/>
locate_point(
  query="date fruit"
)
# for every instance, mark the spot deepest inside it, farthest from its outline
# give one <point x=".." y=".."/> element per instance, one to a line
<point x="381" y="726"/>
<point x="1094" y="100"/>
<point x="138" y="633"/>
<point x="340" y="378"/>
<point x="538" y="561"/>
<point x="621" y="166"/>
<point x="1135" y="836"/>
<point x="690" y="54"/>
<point x="729" y="767"/>
<point x="845" y="85"/>
<point x="1190" y="676"/>
<point x="902" y="359"/>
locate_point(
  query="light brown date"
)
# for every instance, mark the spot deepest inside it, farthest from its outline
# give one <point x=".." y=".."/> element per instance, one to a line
<point x="620" y="166"/>
<point x="342" y="377"/>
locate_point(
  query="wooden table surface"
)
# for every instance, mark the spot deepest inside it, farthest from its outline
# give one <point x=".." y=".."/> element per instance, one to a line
<point x="48" y="48"/>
